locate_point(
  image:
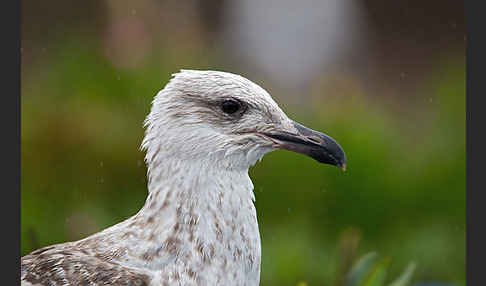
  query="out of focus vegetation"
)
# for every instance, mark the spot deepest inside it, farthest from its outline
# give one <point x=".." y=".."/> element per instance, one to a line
<point x="403" y="194"/>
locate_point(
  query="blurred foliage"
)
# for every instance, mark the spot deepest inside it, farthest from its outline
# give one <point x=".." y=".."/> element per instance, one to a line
<point x="369" y="272"/>
<point x="403" y="194"/>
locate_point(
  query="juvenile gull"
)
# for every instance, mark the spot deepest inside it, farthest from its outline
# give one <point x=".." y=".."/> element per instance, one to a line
<point x="198" y="225"/>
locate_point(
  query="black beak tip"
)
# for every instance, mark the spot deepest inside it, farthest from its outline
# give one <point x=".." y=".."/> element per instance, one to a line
<point x="340" y="158"/>
<point x="331" y="157"/>
<point x="340" y="162"/>
<point x="322" y="147"/>
<point x="314" y="144"/>
<point x="330" y="153"/>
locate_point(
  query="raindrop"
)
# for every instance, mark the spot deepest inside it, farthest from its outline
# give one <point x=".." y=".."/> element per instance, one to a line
<point x="134" y="12"/>
<point x="402" y="75"/>
<point x="139" y="163"/>
<point x="288" y="210"/>
<point x="118" y="77"/>
<point x="101" y="164"/>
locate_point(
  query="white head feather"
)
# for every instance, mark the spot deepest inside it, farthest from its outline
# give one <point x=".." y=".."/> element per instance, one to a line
<point x="186" y="120"/>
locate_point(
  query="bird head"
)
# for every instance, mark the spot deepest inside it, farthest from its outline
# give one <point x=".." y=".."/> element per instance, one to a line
<point x="228" y="121"/>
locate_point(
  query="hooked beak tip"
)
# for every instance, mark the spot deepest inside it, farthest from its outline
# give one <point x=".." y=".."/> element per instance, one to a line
<point x="343" y="167"/>
<point x="314" y="144"/>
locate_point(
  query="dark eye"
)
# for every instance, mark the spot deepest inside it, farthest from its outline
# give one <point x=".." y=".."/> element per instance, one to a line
<point x="230" y="106"/>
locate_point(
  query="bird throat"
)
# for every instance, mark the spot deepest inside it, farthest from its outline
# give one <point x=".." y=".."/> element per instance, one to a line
<point x="197" y="212"/>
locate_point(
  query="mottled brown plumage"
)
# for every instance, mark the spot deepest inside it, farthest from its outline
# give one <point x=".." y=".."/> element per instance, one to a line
<point x="64" y="265"/>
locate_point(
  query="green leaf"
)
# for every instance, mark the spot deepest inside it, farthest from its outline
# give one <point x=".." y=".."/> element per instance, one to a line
<point x="378" y="274"/>
<point x="405" y="277"/>
<point x="360" y="268"/>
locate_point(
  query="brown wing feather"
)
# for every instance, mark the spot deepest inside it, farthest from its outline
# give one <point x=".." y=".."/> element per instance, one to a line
<point x="59" y="266"/>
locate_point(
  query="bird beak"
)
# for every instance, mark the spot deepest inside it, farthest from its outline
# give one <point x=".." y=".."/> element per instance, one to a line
<point x="311" y="143"/>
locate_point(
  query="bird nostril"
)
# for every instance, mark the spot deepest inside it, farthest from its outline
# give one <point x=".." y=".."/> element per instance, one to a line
<point x="315" y="139"/>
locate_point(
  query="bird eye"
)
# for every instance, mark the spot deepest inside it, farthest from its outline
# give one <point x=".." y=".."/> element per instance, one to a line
<point x="230" y="106"/>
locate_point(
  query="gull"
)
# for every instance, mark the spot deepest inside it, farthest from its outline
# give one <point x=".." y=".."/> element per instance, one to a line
<point x="198" y="225"/>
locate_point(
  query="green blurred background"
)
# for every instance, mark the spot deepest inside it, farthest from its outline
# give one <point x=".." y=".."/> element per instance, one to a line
<point x="386" y="79"/>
